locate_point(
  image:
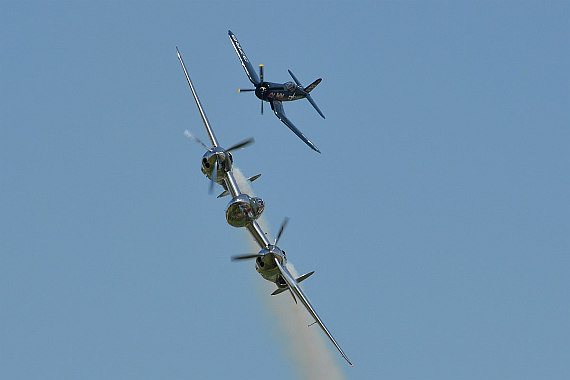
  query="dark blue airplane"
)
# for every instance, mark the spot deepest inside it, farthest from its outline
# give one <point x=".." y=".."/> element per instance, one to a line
<point x="277" y="93"/>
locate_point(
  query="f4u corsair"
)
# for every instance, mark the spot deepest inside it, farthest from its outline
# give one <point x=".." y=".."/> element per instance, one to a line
<point x="243" y="211"/>
<point x="277" y="93"/>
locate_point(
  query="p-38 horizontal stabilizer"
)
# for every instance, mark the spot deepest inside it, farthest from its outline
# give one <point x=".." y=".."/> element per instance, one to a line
<point x="303" y="277"/>
<point x="250" y="179"/>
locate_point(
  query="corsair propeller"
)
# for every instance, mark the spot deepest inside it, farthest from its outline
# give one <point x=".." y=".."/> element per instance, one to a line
<point x="260" y="85"/>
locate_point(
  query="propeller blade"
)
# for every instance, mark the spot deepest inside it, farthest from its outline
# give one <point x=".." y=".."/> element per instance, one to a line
<point x="214" y="176"/>
<point x="196" y="139"/>
<point x="262" y="107"/>
<point x="241" y="144"/>
<point x="285" y="221"/>
<point x="245" y="257"/>
<point x="261" y="73"/>
<point x="245" y="89"/>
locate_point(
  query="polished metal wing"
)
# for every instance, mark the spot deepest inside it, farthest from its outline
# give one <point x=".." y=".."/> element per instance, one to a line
<point x="247" y="66"/>
<point x="294" y="286"/>
<point x="202" y="113"/>
<point x="277" y="107"/>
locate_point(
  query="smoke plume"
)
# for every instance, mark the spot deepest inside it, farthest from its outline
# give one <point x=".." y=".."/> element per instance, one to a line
<point x="309" y="350"/>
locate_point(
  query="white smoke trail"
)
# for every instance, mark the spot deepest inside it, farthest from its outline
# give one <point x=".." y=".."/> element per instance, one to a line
<point x="307" y="347"/>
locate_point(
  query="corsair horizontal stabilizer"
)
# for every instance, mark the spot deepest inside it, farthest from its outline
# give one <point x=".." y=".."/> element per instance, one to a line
<point x="310" y="99"/>
<point x="310" y="87"/>
<point x="307" y="90"/>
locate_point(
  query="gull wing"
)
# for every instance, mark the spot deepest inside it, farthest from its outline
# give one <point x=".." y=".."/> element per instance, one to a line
<point x="277" y="107"/>
<point x="247" y="66"/>
<point x="294" y="286"/>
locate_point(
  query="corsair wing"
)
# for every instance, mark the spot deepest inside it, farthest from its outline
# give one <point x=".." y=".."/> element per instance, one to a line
<point x="247" y="66"/>
<point x="277" y="107"/>
<point x="294" y="286"/>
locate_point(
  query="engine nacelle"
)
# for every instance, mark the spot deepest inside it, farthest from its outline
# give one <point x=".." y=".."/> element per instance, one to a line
<point x="243" y="209"/>
<point x="224" y="162"/>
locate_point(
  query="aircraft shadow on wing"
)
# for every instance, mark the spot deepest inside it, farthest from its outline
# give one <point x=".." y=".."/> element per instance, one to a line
<point x="243" y="211"/>
<point x="276" y="93"/>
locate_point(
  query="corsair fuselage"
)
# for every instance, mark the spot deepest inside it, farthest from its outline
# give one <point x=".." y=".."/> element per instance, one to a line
<point x="283" y="92"/>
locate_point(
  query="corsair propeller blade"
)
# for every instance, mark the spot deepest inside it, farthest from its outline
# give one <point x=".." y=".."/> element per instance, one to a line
<point x="261" y="83"/>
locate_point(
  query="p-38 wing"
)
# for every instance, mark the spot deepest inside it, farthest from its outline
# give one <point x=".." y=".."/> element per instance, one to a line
<point x="294" y="286"/>
<point x="217" y="166"/>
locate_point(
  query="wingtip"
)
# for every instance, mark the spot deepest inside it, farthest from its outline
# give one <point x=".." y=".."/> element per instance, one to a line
<point x="313" y="146"/>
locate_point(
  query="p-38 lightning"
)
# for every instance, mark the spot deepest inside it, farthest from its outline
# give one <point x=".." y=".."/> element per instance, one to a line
<point x="243" y="211"/>
<point x="276" y="93"/>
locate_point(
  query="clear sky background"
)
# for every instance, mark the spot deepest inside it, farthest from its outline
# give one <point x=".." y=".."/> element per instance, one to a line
<point x="437" y="217"/>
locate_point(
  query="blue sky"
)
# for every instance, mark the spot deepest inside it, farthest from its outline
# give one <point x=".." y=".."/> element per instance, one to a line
<point x="436" y="218"/>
